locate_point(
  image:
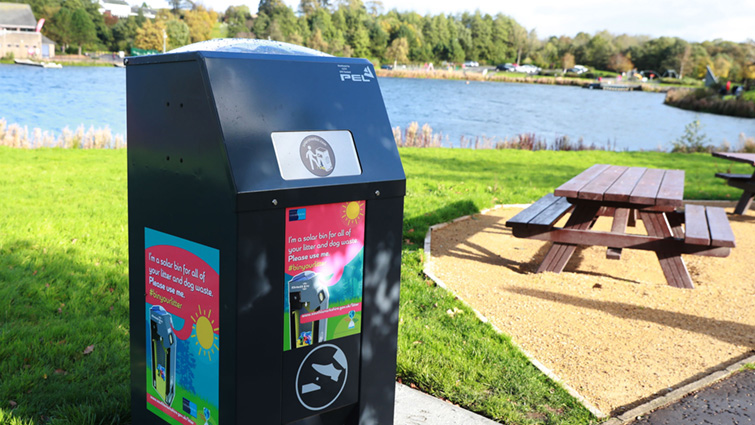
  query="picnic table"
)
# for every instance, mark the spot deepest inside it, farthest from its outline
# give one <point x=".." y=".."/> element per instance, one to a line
<point x="745" y="182"/>
<point x="626" y="194"/>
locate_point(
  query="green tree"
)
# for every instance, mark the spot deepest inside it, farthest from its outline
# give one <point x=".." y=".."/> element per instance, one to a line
<point x="124" y="33"/>
<point x="178" y="34"/>
<point x="237" y="20"/>
<point x="398" y="50"/>
<point x="82" y="28"/>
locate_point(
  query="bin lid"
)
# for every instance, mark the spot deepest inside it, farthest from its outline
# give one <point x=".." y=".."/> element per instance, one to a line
<point x="246" y="45"/>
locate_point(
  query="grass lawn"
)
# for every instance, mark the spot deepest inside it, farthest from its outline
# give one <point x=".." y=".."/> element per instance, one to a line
<point x="64" y="281"/>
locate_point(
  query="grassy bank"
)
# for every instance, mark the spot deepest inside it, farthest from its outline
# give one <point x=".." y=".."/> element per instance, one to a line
<point x="708" y="100"/>
<point x="64" y="292"/>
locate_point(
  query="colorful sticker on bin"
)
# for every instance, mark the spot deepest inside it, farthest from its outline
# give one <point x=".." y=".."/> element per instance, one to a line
<point x="323" y="275"/>
<point x="182" y="329"/>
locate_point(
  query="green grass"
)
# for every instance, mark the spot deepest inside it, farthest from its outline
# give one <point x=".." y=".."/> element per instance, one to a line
<point x="64" y="281"/>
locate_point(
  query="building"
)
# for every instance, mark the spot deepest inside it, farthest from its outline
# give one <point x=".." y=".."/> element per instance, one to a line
<point x="147" y="12"/>
<point x="19" y="36"/>
<point x="118" y="8"/>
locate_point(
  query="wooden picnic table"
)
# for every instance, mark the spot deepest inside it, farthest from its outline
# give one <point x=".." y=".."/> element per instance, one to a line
<point x="626" y="193"/>
<point x="745" y="182"/>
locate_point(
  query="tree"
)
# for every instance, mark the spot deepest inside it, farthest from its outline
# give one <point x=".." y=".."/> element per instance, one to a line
<point x="82" y="28"/>
<point x="308" y="7"/>
<point x="200" y="22"/>
<point x="567" y="61"/>
<point x="150" y="36"/>
<point x="178" y="34"/>
<point x="270" y="7"/>
<point x="237" y="20"/>
<point x="398" y="50"/>
<point x="317" y="42"/>
<point x="620" y="63"/>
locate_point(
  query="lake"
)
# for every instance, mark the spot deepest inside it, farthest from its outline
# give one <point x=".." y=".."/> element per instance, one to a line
<point x="52" y="99"/>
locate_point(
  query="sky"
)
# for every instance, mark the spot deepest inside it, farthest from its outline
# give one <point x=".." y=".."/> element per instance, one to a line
<point x="692" y="20"/>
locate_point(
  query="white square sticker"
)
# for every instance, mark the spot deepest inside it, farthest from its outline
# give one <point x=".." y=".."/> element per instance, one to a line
<point x="315" y="154"/>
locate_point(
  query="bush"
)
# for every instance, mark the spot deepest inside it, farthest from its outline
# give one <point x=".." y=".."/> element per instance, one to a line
<point x="693" y="140"/>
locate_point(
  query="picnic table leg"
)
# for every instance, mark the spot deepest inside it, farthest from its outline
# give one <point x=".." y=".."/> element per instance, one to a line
<point x="744" y="203"/>
<point x="675" y="221"/>
<point x="582" y="218"/>
<point x="672" y="263"/>
<point x="620" y="221"/>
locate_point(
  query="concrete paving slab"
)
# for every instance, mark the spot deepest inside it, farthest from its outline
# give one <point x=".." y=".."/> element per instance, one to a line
<point x="731" y="401"/>
<point x="417" y="408"/>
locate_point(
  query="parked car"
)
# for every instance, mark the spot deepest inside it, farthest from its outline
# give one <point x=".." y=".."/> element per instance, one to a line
<point x="578" y="69"/>
<point x="508" y="67"/>
<point x="471" y="64"/>
<point x="528" y="69"/>
<point x="389" y="67"/>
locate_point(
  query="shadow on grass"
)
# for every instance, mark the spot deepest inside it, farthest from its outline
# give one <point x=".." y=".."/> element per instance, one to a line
<point x="64" y="323"/>
<point x="415" y="228"/>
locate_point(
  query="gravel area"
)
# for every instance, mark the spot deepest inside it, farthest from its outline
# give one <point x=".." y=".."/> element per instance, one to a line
<point x="611" y="329"/>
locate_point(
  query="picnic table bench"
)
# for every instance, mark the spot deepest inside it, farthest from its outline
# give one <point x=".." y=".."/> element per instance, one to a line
<point x="745" y="182"/>
<point x="626" y="194"/>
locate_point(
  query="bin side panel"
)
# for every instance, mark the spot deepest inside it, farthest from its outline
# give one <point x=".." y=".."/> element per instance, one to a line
<point x="380" y="310"/>
<point x="179" y="184"/>
<point x="255" y="98"/>
<point x="260" y="316"/>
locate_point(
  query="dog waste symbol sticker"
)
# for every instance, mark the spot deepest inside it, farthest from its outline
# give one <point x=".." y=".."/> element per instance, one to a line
<point x="321" y="377"/>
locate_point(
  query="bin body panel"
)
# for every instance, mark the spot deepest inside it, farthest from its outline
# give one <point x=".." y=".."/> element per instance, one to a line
<point x="259" y="305"/>
<point x="179" y="184"/>
<point x="381" y="296"/>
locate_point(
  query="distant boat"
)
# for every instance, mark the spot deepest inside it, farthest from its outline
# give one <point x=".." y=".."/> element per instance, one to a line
<point x="39" y="64"/>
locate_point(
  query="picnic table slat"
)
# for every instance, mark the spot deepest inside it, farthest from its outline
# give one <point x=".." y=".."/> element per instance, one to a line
<point x="552" y="213"/>
<point x="696" y="224"/>
<point x="571" y="188"/>
<point x="533" y="210"/>
<point x="747" y="158"/>
<point x="646" y="191"/>
<point x="671" y="191"/>
<point x="729" y="176"/>
<point x="596" y="188"/>
<point x="629" y="241"/>
<point x="622" y="189"/>
<point x="720" y="229"/>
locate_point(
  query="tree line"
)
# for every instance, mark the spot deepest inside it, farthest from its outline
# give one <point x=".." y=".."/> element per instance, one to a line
<point x="364" y="29"/>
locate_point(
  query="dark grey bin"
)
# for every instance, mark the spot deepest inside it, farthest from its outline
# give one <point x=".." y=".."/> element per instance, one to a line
<point x="251" y="163"/>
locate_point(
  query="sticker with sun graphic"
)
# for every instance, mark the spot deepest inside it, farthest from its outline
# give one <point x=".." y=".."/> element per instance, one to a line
<point x="204" y="333"/>
<point x="182" y="287"/>
<point x="353" y="212"/>
<point x="324" y="268"/>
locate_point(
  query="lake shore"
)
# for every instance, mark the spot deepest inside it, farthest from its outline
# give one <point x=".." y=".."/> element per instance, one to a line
<point x="481" y="75"/>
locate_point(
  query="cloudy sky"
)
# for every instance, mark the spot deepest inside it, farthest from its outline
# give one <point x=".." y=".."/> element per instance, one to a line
<point x="692" y="20"/>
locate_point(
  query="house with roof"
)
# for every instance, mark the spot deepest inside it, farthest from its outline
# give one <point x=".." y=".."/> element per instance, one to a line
<point x="19" y="35"/>
<point x="147" y="12"/>
<point x="118" y="8"/>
